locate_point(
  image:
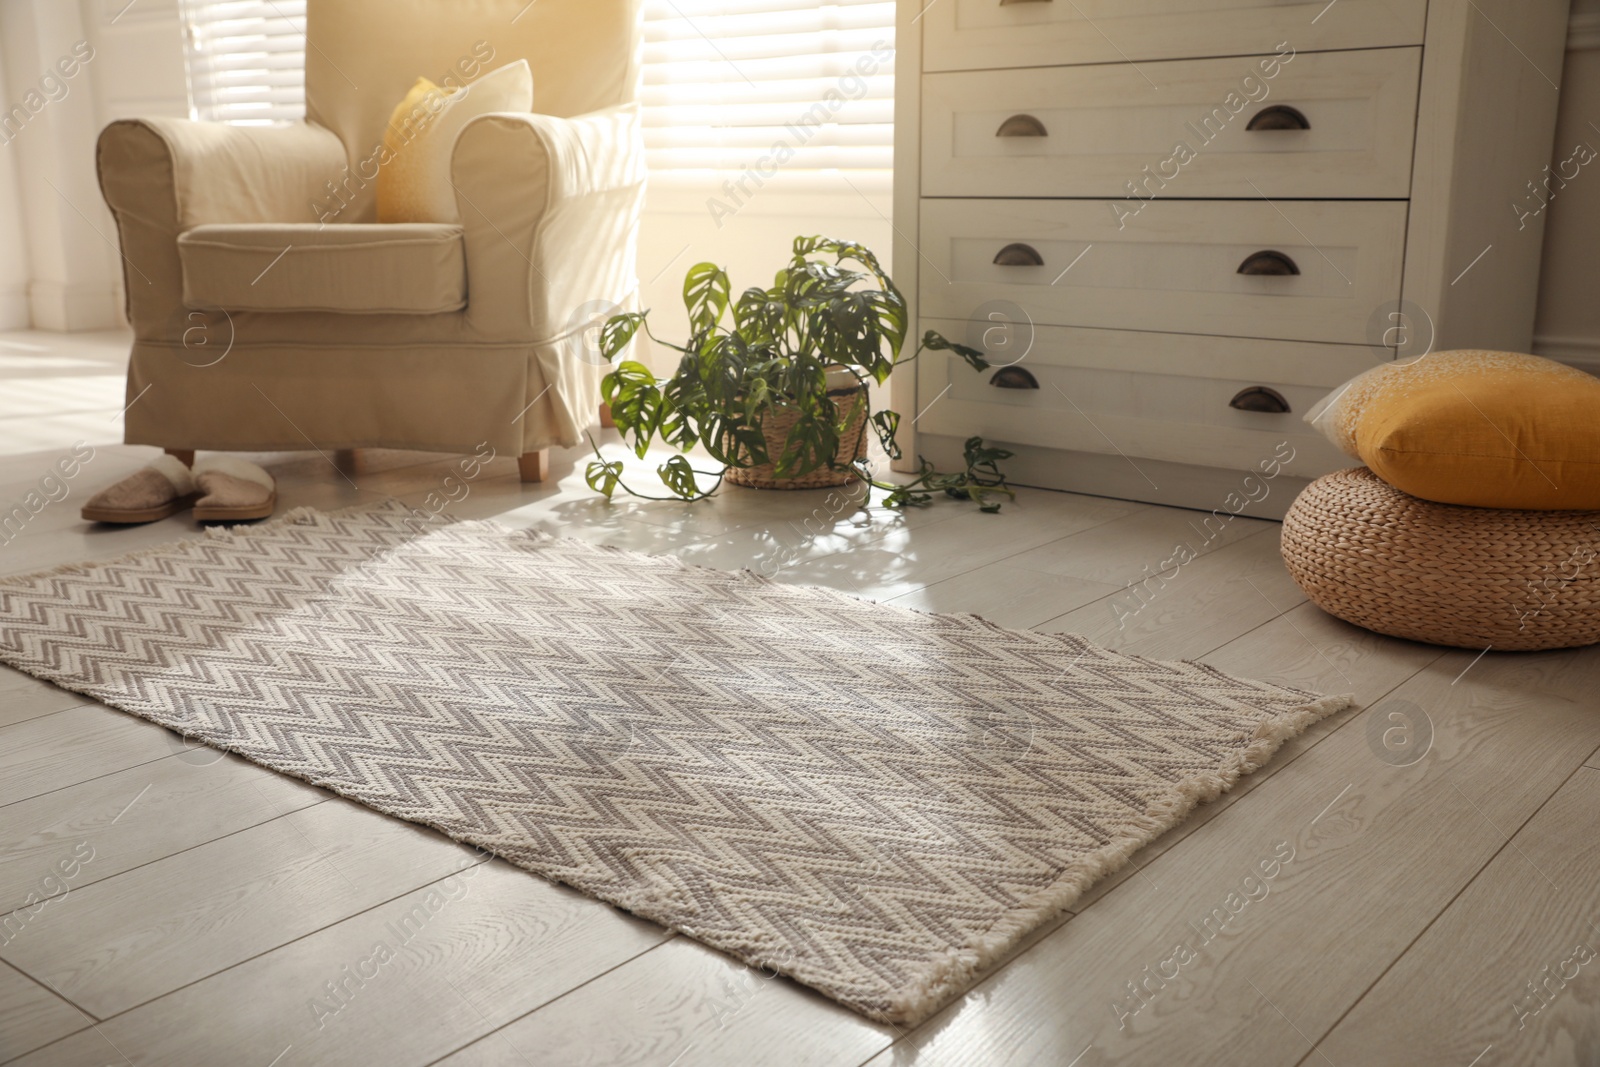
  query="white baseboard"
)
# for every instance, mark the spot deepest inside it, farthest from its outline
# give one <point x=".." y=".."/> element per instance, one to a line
<point x="1581" y="352"/>
<point x="70" y="308"/>
<point x="1583" y="32"/>
<point x="1095" y="474"/>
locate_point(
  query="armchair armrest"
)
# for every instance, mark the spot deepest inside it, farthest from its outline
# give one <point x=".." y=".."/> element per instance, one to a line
<point x="218" y="173"/>
<point x="161" y="177"/>
<point x="550" y="208"/>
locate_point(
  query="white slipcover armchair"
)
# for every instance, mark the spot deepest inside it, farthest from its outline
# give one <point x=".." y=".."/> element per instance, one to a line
<point x="271" y="311"/>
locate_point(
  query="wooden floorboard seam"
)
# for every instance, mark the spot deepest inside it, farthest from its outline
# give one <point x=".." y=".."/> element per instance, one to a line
<point x="672" y="935"/>
<point x="239" y="963"/>
<point x="198" y="844"/>
<point x="46" y="714"/>
<point x="94" y="1023"/>
<point x="1124" y="587"/>
<point x="87" y="703"/>
<point x="1465" y="885"/>
<point x="95" y="777"/>
<point x="54" y="992"/>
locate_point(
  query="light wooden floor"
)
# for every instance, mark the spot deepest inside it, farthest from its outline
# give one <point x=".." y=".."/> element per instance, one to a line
<point x="212" y="904"/>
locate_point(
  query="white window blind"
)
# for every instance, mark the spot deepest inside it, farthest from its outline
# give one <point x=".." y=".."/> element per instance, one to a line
<point x="729" y="85"/>
<point x="727" y="82"/>
<point x="246" y="60"/>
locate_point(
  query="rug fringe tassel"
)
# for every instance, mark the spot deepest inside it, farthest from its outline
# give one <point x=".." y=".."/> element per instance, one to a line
<point x="953" y="974"/>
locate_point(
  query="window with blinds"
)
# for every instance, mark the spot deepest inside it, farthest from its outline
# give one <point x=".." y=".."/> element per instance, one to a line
<point x="246" y="60"/>
<point x="755" y="85"/>
<point x="730" y="86"/>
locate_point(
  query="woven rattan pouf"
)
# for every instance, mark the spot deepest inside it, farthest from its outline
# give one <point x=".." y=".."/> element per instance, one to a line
<point x="1468" y="577"/>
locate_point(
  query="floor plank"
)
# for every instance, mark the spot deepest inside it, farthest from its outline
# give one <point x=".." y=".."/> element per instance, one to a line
<point x="1193" y="608"/>
<point x="1476" y="987"/>
<point x="31" y="1015"/>
<point x="1138" y="544"/>
<point x="682" y="1003"/>
<point x="139" y="815"/>
<point x="68" y="747"/>
<point x="23" y="697"/>
<point x="465" y="956"/>
<point x="1351" y="899"/>
<point x="1309" y="649"/>
<point x="1008" y="595"/>
<point x="132" y="937"/>
<point x="910" y="557"/>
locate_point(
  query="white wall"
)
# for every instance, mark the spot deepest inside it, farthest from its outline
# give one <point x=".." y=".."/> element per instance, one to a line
<point x="15" y="266"/>
<point x="138" y="70"/>
<point x="61" y="269"/>
<point x="1568" y="326"/>
<point x="679" y="230"/>
<point x="50" y="72"/>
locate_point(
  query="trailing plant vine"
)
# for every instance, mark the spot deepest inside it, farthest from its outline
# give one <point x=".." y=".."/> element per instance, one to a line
<point x="773" y="349"/>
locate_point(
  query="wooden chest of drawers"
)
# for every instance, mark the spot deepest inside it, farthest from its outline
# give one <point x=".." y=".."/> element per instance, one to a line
<point x="1172" y="217"/>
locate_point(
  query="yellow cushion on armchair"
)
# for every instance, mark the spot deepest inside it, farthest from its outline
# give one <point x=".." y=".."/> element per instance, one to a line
<point x="414" y="168"/>
<point x="1483" y="429"/>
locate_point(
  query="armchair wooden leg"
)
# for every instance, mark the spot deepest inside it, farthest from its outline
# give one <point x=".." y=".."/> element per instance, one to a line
<point x="347" y="460"/>
<point x="535" y="466"/>
<point x="182" y="455"/>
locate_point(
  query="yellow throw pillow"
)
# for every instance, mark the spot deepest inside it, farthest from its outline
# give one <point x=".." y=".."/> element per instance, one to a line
<point x="1484" y="429"/>
<point x="414" y="172"/>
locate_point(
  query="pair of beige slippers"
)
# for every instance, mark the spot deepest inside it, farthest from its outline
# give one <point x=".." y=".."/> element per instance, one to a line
<point x="219" y="489"/>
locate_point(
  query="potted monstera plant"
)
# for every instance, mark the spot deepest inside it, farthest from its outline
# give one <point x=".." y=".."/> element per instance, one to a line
<point x="774" y="385"/>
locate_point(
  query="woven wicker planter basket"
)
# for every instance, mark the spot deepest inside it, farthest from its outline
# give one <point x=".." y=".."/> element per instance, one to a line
<point x="1465" y="577"/>
<point x="775" y="428"/>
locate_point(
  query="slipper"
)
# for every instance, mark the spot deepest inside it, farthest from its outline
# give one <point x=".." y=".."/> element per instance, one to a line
<point x="163" y="488"/>
<point x="233" y="490"/>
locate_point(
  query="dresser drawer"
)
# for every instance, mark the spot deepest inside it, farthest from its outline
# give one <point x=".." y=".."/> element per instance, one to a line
<point x="1157" y="396"/>
<point x="1307" y="369"/>
<point x="1053" y="422"/>
<point x="1102" y="131"/>
<point x="1178" y="266"/>
<point x="984" y="34"/>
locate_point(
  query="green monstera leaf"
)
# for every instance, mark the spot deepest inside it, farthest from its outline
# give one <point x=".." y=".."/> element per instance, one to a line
<point x="635" y="401"/>
<point x="618" y="331"/>
<point x="677" y="475"/>
<point x="936" y="342"/>
<point x="706" y="292"/>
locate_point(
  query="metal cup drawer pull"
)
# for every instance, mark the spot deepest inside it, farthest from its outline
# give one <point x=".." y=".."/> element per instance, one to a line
<point x="1278" y="117"/>
<point x="1260" y="398"/>
<point x="1018" y="254"/>
<point x="1014" y="378"/>
<point x="1268" y="262"/>
<point x="1022" y="126"/>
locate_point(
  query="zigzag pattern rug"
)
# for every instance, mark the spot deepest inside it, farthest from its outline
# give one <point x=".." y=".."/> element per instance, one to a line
<point x="875" y="801"/>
